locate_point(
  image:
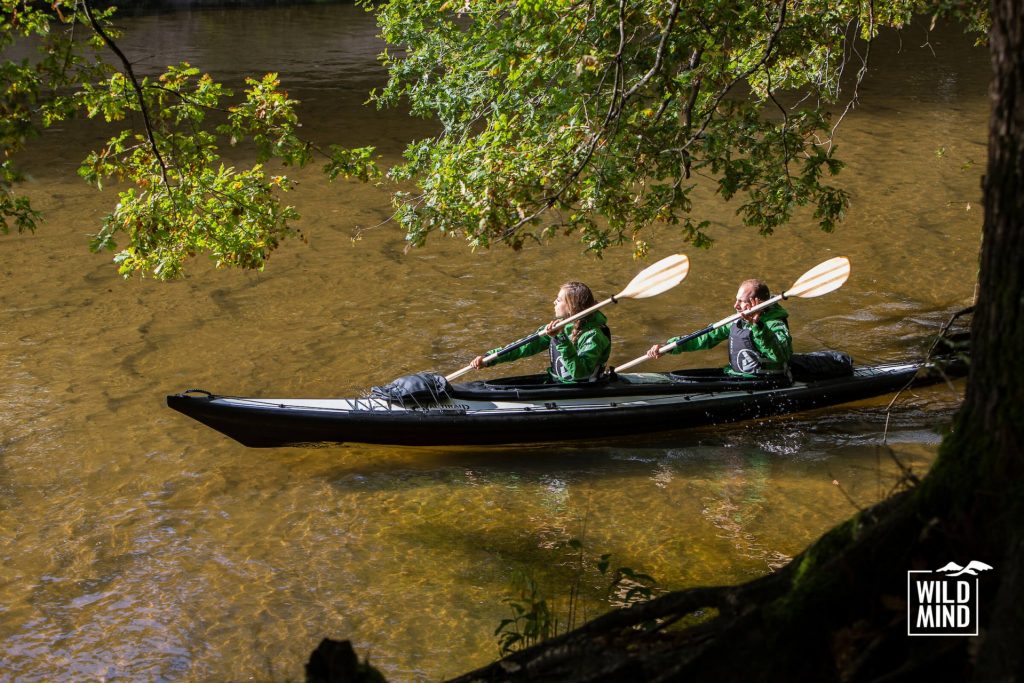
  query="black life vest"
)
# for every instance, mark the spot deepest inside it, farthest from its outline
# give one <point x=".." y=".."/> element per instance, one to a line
<point x="743" y="354"/>
<point x="558" y="368"/>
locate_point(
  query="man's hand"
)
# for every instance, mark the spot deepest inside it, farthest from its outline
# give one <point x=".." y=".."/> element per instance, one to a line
<point x="751" y="318"/>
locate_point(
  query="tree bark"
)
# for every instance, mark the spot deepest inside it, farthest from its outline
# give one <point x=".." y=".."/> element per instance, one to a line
<point x="993" y="404"/>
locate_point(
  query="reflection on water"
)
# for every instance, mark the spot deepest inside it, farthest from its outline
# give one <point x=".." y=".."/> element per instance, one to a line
<point x="138" y="545"/>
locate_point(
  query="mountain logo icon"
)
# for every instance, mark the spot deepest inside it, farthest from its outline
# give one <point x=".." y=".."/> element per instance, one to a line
<point x="945" y="602"/>
<point x="973" y="567"/>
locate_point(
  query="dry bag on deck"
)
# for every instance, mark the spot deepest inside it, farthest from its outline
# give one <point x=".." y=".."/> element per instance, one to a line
<point x="423" y="388"/>
<point x="807" y="367"/>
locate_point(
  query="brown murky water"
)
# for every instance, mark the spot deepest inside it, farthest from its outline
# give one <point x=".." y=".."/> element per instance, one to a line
<point x="136" y="545"/>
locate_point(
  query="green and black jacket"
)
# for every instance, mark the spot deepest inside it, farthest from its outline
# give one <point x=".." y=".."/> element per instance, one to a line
<point x="579" y="362"/>
<point x="769" y="338"/>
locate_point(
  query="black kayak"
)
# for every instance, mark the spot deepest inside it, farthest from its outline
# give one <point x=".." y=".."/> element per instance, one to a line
<point x="527" y="410"/>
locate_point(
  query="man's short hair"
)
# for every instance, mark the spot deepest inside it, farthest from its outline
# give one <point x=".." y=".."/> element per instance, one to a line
<point x="759" y="287"/>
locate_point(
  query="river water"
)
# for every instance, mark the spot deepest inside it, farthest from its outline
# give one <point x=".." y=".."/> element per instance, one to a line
<point x="136" y="545"/>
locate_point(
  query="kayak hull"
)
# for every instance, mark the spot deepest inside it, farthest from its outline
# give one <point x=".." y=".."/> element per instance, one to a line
<point x="631" y="405"/>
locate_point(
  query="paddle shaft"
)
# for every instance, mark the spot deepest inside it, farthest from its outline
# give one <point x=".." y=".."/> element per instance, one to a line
<point x="724" y="321"/>
<point x="519" y="343"/>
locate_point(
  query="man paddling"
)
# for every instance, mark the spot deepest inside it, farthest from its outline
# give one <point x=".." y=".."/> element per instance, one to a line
<point x="759" y="342"/>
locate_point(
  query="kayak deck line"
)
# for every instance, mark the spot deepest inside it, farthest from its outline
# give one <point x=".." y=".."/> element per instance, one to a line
<point x="370" y="403"/>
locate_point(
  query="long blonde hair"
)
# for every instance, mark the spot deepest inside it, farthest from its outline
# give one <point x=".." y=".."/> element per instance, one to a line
<point x="579" y="298"/>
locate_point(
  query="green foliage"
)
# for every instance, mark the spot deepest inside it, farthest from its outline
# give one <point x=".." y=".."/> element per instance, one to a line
<point x="181" y="199"/>
<point x="532" y="620"/>
<point x="33" y="92"/>
<point x="536" y="616"/>
<point x="184" y="200"/>
<point x="598" y="119"/>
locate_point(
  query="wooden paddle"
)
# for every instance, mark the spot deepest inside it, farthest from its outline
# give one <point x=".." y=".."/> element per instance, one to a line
<point x="655" y="279"/>
<point x="825" y="277"/>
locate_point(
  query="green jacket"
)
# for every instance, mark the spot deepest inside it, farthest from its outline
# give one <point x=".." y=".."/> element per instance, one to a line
<point x="770" y="337"/>
<point x="579" y="362"/>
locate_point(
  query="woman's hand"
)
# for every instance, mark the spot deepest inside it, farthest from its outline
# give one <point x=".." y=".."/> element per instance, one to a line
<point x="654" y="352"/>
<point x="552" y="328"/>
<point x="477" y="362"/>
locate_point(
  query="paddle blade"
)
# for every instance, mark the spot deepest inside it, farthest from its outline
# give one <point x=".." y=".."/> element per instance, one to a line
<point x="824" y="278"/>
<point x="657" y="278"/>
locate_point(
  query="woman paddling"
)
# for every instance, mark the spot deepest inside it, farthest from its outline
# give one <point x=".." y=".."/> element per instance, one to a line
<point x="579" y="351"/>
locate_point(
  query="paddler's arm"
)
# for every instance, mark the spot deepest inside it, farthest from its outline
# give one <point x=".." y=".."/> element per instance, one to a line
<point x="773" y="342"/>
<point x="699" y="343"/>
<point x="534" y="347"/>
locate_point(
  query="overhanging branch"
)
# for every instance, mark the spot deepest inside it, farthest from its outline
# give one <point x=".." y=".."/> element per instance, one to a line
<point x="135" y="85"/>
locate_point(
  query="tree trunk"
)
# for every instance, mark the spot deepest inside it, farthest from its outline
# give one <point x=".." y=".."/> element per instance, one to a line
<point x="993" y="406"/>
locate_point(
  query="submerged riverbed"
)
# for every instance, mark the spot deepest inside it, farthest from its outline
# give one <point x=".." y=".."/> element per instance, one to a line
<point x="137" y="545"/>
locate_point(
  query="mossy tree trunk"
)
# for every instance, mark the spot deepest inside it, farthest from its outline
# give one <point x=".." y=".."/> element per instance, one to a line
<point x="985" y="452"/>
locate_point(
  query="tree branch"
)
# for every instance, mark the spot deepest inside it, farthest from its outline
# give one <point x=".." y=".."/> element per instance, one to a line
<point x="135" y="84"/>
<point x="615" y="107"/>
<point x="769" y="48"/>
